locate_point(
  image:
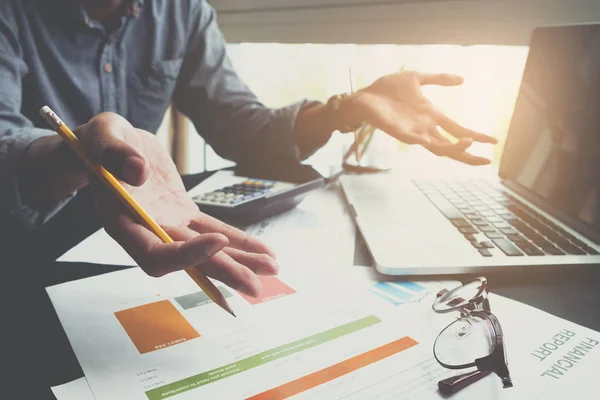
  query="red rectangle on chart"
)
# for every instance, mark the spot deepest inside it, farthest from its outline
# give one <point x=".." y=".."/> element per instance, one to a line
<point x="335" y="371"/>
<point x="273" y="288"/>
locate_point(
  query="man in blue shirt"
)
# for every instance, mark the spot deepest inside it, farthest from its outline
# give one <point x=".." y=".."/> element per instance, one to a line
<point x="111" y="68"/>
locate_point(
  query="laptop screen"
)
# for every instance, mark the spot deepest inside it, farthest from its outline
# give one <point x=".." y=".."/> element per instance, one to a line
<point x="553" y="145"/>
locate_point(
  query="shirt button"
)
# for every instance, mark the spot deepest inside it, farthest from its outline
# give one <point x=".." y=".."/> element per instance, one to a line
<point x="108" y="68"/>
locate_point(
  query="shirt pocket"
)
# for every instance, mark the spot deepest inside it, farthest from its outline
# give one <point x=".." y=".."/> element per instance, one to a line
<point x="150" y="93"/>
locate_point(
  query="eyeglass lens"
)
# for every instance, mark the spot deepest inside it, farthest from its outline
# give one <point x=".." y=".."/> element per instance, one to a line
<point x="459" y="297"/>
<point x="465" y="341"/>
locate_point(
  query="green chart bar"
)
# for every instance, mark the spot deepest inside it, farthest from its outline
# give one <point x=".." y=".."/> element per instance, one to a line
<point x="196" y="381"/>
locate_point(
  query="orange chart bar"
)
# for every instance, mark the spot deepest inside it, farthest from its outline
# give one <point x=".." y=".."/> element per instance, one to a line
<point x="155" y="326"/>
<point x="335" y="371"/>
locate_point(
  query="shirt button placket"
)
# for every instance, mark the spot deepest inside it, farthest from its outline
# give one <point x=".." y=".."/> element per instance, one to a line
<point x="107" y="70"/>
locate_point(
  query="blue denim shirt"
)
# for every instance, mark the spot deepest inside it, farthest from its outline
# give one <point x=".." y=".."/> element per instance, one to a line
<point x="52" y="54"/>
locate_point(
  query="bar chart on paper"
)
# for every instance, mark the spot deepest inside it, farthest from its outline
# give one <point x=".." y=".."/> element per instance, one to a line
<point x="399" y="293"/>
<point x="333" y="372"/>
<point x="287" y="343"/>
<point x="288" y="349"/>
<point x="160" y="324"/>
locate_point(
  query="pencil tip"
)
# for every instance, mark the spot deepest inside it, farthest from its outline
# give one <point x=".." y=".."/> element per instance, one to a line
<point x="227" y="308"/>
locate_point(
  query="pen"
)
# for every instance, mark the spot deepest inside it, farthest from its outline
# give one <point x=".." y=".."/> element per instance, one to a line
<point x="115" y="186"/>
<point x="356" y="147"/>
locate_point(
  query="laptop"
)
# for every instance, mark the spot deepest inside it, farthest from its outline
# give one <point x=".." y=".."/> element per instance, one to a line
<point x="541" y="209"/>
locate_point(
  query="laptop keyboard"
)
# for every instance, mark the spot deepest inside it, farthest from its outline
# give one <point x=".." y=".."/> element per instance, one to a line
<point x="490" y="218"/>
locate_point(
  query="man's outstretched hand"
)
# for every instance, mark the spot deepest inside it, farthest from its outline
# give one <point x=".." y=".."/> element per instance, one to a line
<point x="396" y="105"/>
<point x="136" y="158"/>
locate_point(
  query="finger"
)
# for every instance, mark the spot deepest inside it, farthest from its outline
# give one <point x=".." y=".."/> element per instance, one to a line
<point x="440" y="145"/>
<point x="181" y="234"/>
<point x="456" y="151"/>
<point x="412" y="138"/>
<point x="237" y="238"/>
<point x="261" y="264"/>
<point x="458" y="155"/>
<point x="470" y="159"/>
<point x="440" y="79"/>
<point x="448" y="148"/>
<point x="231" y="271"/>
<point x="235" y="275"/>
<point x="102" y="137"/>
<point x="459" y="131"/>
<point x="406" y="136"/>
<point x="157" y="258"/>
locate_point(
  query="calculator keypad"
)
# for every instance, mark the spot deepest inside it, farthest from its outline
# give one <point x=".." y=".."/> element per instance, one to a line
<point x="238" y="193"/>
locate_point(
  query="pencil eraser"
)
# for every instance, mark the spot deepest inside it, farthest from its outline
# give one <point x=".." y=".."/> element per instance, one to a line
<point x="51" y="117"/>
<point x="45" y="110"/>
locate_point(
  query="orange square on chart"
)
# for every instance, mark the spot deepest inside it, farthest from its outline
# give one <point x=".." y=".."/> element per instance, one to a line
<point x="155" y="326"/>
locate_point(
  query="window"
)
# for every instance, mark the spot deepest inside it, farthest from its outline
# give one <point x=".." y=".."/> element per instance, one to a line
<point x="281" y="74"/>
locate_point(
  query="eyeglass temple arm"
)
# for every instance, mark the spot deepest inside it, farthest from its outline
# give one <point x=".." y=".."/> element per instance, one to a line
<point x="486" y="304"/>
<point x="497" y="364"/>
<point x="456" y="383"/>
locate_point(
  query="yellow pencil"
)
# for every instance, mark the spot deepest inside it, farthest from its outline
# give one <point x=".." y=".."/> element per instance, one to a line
<point x="115" y="186"/>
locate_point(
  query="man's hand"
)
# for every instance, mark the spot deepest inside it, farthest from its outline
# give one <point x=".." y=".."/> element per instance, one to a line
<point x="396" y="105"/>
<point x="135" y="157"/>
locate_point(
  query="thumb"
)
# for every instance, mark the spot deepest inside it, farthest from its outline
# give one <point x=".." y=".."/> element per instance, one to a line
<point x="110" y="140"/>
<point x="440" y="79"/>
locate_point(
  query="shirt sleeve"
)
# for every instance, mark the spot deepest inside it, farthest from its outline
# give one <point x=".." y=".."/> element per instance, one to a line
<point x="226" y="112"/>
<point x="16" y="131"/>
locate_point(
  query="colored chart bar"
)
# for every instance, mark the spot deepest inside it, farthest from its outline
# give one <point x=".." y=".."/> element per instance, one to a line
<point x="393" y="291"/>
<point x="217" y="374"/>
<point x="199" y="299"/>
<point x="273" y="288"/>
<point x="383" y="296"/>
<point x="415" y="287"/>
<point x="155" y="326"/>
<point x="335" y="371"/>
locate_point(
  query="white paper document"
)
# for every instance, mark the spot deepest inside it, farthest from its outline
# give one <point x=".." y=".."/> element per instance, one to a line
<point x="142" y="338"/>
<point x="76" y="390"/>
<point x="318" y="230"/>
<point x="98" y="248"/>
<point x="317" y="233"/>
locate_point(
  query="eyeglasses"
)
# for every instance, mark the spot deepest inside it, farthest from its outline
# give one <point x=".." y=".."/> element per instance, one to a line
<point x="475" y="339"/>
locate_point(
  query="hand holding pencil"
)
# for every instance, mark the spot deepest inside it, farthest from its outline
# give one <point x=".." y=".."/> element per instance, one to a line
<point x="152" y="217"/>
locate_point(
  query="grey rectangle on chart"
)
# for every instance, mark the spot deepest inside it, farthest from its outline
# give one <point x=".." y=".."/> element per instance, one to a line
<point x="198" y="299"/>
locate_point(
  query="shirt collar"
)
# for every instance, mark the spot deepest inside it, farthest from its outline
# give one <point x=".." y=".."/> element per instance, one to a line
<point x="132" y="9"/>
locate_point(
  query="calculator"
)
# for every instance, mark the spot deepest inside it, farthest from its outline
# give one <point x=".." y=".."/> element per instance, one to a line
<point x="242" y="192"/>
<point x="244" y="200"/>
